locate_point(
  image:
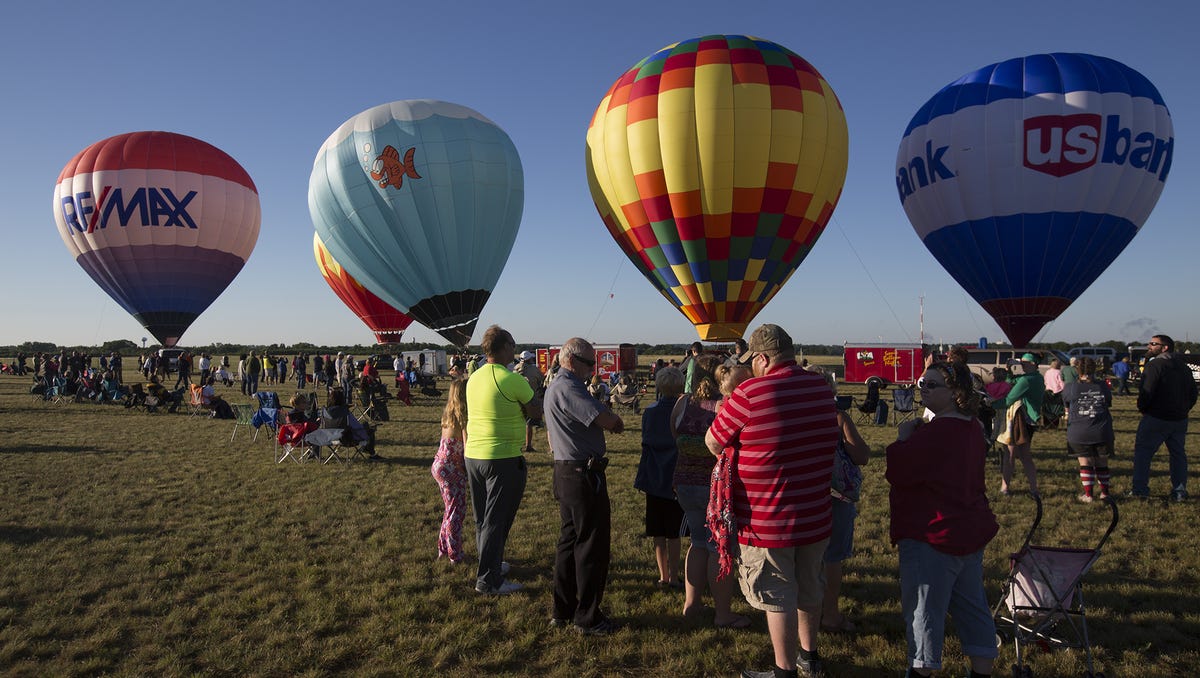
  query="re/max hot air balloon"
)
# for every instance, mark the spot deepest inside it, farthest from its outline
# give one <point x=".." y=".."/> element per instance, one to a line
<point x="715" y="163"/>
<point x="387" y="323"/>
<point x="420" y="201"/>
<point x="161" y="221"/>
<point x="1025" y="179"/>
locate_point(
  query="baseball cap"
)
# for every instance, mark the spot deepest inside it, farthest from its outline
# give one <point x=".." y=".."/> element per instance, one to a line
<point x="1029" y="358"/>
<point x="527" y="355"/>
<point x="766" y="338"/>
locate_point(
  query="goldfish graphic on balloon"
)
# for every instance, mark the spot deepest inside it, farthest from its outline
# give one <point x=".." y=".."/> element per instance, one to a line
<point x="390" y="170"/>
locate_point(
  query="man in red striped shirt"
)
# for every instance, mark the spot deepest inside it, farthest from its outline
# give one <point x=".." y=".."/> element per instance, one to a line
<point x="782" y="424"/>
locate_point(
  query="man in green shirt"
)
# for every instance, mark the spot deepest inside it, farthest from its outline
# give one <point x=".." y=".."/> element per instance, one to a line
<point x="498" y="401"/>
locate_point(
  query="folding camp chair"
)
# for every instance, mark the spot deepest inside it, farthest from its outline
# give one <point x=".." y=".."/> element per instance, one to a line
<point x="904" y="404"/>
<point x="244" y="416"/>
<point x="197" y="403"/>
<point x="844" y="403"/>
<point x="268" y="412"/>
<point x="338" y="443"/>
<point x="292" y="443"/>
<point x="868" y="407"/>
<point x="1044" y="594"/>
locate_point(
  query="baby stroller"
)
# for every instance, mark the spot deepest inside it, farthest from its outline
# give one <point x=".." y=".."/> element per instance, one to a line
<point x="1044" y="596"/>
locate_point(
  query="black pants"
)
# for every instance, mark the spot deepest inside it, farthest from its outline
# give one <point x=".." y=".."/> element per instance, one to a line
<point x="584" y="544"/>
<point x="497" y="486"/>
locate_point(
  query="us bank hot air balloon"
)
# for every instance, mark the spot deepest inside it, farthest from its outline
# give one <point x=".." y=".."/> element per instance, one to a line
<point x="1026" y="178"/>
<point x="387" y="323"/>
<point x="715" y="163"/>
<point x="161" y="221"/>
<point x="420" y="201"/>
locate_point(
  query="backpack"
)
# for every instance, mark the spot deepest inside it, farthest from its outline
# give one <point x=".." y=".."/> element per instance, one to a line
<point x="847" y="476"/>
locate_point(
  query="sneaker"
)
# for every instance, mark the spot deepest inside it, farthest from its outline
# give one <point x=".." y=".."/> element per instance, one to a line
<point x="556" y="623"/>
<point x="1085" y="498"/>
<point x="1133" y="495"/>
<point x="1179" y="495"/>
<point x="810" y="667"/>
<point x="505" y="588"/>
<point x="757" y="674"/>
<point x="602" y="629"/>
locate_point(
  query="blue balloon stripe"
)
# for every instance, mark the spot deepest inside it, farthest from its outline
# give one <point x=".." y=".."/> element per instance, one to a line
<point x="156" y="278"/>
<point x="1030" y="255"/>
<point x="1031" y="76"/>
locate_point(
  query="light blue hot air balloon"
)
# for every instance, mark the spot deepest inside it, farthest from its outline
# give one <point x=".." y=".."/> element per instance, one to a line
<point x="1025" y="179"/>
<point x="420" y="202"/>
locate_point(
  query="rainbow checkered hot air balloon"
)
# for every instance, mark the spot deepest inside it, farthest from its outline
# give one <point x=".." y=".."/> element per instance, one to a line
<point x="716" y="164"/>
<point x="161" y="221"/>
<point x="386" y="322"/>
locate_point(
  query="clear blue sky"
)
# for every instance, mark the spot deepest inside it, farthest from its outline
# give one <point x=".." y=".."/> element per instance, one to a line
<point x="267" y="82"/>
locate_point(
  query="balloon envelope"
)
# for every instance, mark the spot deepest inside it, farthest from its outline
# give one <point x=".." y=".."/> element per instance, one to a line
<point x="1026" y="178"/>
<point x="420" y="201"/>
<point x="161" y="221"/>
<point x="716" y="163"/>
<point x="387" y="323"/>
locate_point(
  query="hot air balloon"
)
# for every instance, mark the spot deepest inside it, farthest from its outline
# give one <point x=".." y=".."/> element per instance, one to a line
<point x="387" y="323"/>
<point x="161" y="221"/>
<point x="715" y="163"/>
<point x="420" y="201"/>
<point x="1026" y="178"/>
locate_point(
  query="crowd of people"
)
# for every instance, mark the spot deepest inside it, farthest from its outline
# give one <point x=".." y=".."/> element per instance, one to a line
<point x="744" y="454"/>
<point x="747" y="457"/>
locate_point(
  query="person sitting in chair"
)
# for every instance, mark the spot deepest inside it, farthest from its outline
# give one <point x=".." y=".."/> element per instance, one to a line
<point x="626" y="393"/>
<point x="171" y="399"/>
<point x="337" y="415"/>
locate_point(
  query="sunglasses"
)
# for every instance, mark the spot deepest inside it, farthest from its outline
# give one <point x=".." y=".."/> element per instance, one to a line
<point x="749" y="360"/>
<point x="585" y="361"/>
<point x="1154" y="343"/>
<point x="927" y="385"/>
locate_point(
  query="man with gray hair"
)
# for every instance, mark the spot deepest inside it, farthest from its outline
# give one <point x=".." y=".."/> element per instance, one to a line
<point x="782" y="426"/>
<point x="575" y="423"/>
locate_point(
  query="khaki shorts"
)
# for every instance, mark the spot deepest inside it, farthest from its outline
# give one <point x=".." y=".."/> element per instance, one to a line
<point x="783" y="579"/>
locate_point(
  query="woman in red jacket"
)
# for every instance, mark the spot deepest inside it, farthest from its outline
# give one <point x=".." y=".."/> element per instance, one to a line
<point x="941" y="523"/>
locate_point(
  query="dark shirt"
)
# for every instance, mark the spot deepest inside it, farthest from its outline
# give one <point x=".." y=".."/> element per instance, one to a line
<point x="1089" y="421"/>
<point x="1168" y="390"/>
<point x="656" y="470"/>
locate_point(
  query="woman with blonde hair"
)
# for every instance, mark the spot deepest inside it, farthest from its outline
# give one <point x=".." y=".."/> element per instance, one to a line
<point x="450" y="472"/>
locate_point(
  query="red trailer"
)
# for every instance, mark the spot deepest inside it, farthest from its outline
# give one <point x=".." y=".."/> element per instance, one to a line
<point x="610" y="358"/>
<point x="884" y="364"/>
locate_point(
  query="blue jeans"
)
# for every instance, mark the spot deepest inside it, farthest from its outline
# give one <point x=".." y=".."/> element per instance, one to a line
<point x="693" y="499"/>
<point x="1152" y="432"/>
<point x="933" y="583"/>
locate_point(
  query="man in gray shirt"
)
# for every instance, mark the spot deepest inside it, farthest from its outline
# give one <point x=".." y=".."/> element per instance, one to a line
<point x="575" y="423"/>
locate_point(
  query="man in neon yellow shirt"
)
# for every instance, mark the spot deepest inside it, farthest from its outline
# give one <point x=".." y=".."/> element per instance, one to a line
<point x="497" y="403"/>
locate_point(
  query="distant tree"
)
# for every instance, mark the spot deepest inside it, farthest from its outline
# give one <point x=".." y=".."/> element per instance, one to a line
<point x="37" y="347"/>
<point x="122" y="346"/>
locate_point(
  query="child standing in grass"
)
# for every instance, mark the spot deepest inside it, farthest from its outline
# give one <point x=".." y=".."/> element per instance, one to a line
<point x="450" y="472"/>
<point x="1090" y="429"/>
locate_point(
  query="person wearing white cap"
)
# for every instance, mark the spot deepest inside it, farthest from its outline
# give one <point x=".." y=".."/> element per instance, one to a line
<point x="527" y="367"/>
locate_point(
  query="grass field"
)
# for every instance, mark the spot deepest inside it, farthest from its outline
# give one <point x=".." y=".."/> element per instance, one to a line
<point x="149" y="544"/>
